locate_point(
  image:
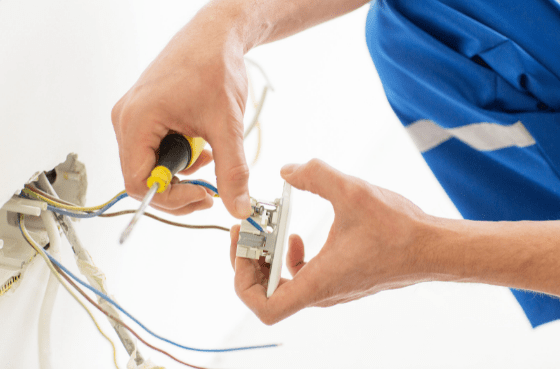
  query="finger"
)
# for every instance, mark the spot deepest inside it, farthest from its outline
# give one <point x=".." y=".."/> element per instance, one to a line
<point x="290" y="296"/>
<point x="296" y="254"/>
<point x="205" y="203"/>
<point x="137" y="150"/>
<point x="317" y="177"/>
<point x="178" y="196"/>
<point x="204" y="159"/>
<point x="231" y="168"/>
<point x="234" y="235"/>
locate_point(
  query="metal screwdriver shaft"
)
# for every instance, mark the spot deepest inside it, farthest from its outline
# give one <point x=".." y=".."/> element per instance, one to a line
<point x="176" y="152"/>
<point x="145" y="202"/>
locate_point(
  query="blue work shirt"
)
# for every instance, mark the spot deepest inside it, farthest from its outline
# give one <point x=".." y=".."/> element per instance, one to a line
<point x="476" y="83"/>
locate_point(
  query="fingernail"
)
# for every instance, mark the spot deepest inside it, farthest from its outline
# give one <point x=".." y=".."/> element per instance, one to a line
<point x="288" y="169"/>
<point x="243" y="206"/>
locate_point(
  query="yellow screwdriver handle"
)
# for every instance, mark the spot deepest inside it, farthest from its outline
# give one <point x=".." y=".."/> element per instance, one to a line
<point x="197" y="146"/>
<point x="176" y="153"/>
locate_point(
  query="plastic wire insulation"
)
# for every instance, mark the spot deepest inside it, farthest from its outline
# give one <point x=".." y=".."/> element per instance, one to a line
<point x="48" y="196"/>
<point x="213" y="188"/>
<point x="68" y="207"/>
<point x="63" y="274"/>
<point x="90" y="214"/>
<point x="187" y="226"/>
<point x="117" y="198"/>
<point x="256" y="225"/>
<point x="126" y="212"/>
<point x="201" y="183"/>
<point x="116" y="305"/>
<point x="43" y="254"/>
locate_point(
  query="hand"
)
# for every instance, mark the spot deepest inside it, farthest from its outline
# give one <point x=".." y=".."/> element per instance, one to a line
<point x="197" y="86"/>
<point x="372" y="246"/>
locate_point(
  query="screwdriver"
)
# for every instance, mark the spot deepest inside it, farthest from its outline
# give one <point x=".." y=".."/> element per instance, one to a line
<point x="176" y="153"/>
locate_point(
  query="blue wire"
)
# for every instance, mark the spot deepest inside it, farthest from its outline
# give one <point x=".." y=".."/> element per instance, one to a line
<point x="256" y="225"/>
<point x="201" y="183"/>
<point x="124" y="195"/>
<point x="211" y="187"/>
<point x="86" y="215"/>
<point x="105" y="297"/>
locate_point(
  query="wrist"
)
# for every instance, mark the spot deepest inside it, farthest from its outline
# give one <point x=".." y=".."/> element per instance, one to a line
<point x="440" y="250"/>
<point x="237" y="22"/>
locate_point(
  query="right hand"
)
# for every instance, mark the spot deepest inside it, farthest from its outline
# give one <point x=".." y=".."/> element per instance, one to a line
<point x="197" y="86"/>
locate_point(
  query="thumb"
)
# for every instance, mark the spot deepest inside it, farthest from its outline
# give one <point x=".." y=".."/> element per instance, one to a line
<point x="231" y="169"/>
<point x="317" y="177"/>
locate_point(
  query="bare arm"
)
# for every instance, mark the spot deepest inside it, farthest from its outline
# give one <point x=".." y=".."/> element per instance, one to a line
<point x="380" y="240"/>
<point x="523" y="254"/>
<point x="261" y="21"/>
<point x="197" y="86"/>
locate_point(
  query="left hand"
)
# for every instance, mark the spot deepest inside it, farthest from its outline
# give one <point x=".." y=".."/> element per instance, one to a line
<point x="374" y="244"/>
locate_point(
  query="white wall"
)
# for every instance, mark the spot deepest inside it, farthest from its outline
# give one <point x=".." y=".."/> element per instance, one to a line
<point x="63" y="64"/>
<point x="328" y="103"/>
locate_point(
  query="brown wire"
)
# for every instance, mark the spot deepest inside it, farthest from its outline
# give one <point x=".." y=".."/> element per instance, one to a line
<point x="63" y="274"/>
<point x="48" y="196"/>
<point x="115" y="214"/>
<point x="129" y="211"/>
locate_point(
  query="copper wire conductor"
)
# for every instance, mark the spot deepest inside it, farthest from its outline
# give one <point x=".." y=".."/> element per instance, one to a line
<point x="8" y="285"/>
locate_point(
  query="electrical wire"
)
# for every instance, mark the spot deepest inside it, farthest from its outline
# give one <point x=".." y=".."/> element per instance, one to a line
<point x="112" y="201"/>
<point x="124" y="195"/>
<point x="201" y="183"/>
<point x="108" y="205"/>
<point x="63" y="274"/>
<point x="215" y="190"/>
<point x="65" y="209"/>
<point x="187" y="226"/>
<point x="126" y="212"/>
<point x="255" y="122"/>
<point x="48" y="196"/>
<point x="42" y="253"/>
<point x="116" y="305"/>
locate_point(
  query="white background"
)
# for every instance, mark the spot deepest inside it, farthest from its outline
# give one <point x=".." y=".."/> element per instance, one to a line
<point x="63" y="64"/>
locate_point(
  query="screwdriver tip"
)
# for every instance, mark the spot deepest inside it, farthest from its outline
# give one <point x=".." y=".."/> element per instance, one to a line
<point x="125" y="234"/>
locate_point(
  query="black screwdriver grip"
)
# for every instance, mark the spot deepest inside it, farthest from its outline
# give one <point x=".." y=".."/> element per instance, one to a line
<point x="174" y="153"/>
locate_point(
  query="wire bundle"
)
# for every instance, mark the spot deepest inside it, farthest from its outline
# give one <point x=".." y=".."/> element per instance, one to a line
<point x="65" y="208"/>
<point x="62" y="207"/>
<point x="70" y="210"/>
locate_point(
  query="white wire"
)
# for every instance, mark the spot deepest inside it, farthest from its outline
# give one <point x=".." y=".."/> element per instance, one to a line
<point x="259" y="106"/>
<point x="45" y="315"/>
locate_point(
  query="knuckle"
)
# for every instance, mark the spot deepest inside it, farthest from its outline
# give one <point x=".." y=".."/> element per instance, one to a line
<point x="125" y="114"/>
<point x="267" y="318"/>
<point x="205" y="203"/>
<point x="238" y="173"/>
<point x="198" y="194"/>
<point x="116" y="111"/>
<point x="315" y="165"/>
<point x="312" y="171"/>
<point x="234" y="125"/>
<point x="132" y="188"/>
<point x="355" y="191"/>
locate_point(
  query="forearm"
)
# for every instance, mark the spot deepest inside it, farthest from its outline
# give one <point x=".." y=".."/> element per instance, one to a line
<point x="524" y="254"/>
<point x="256" y="22"/>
